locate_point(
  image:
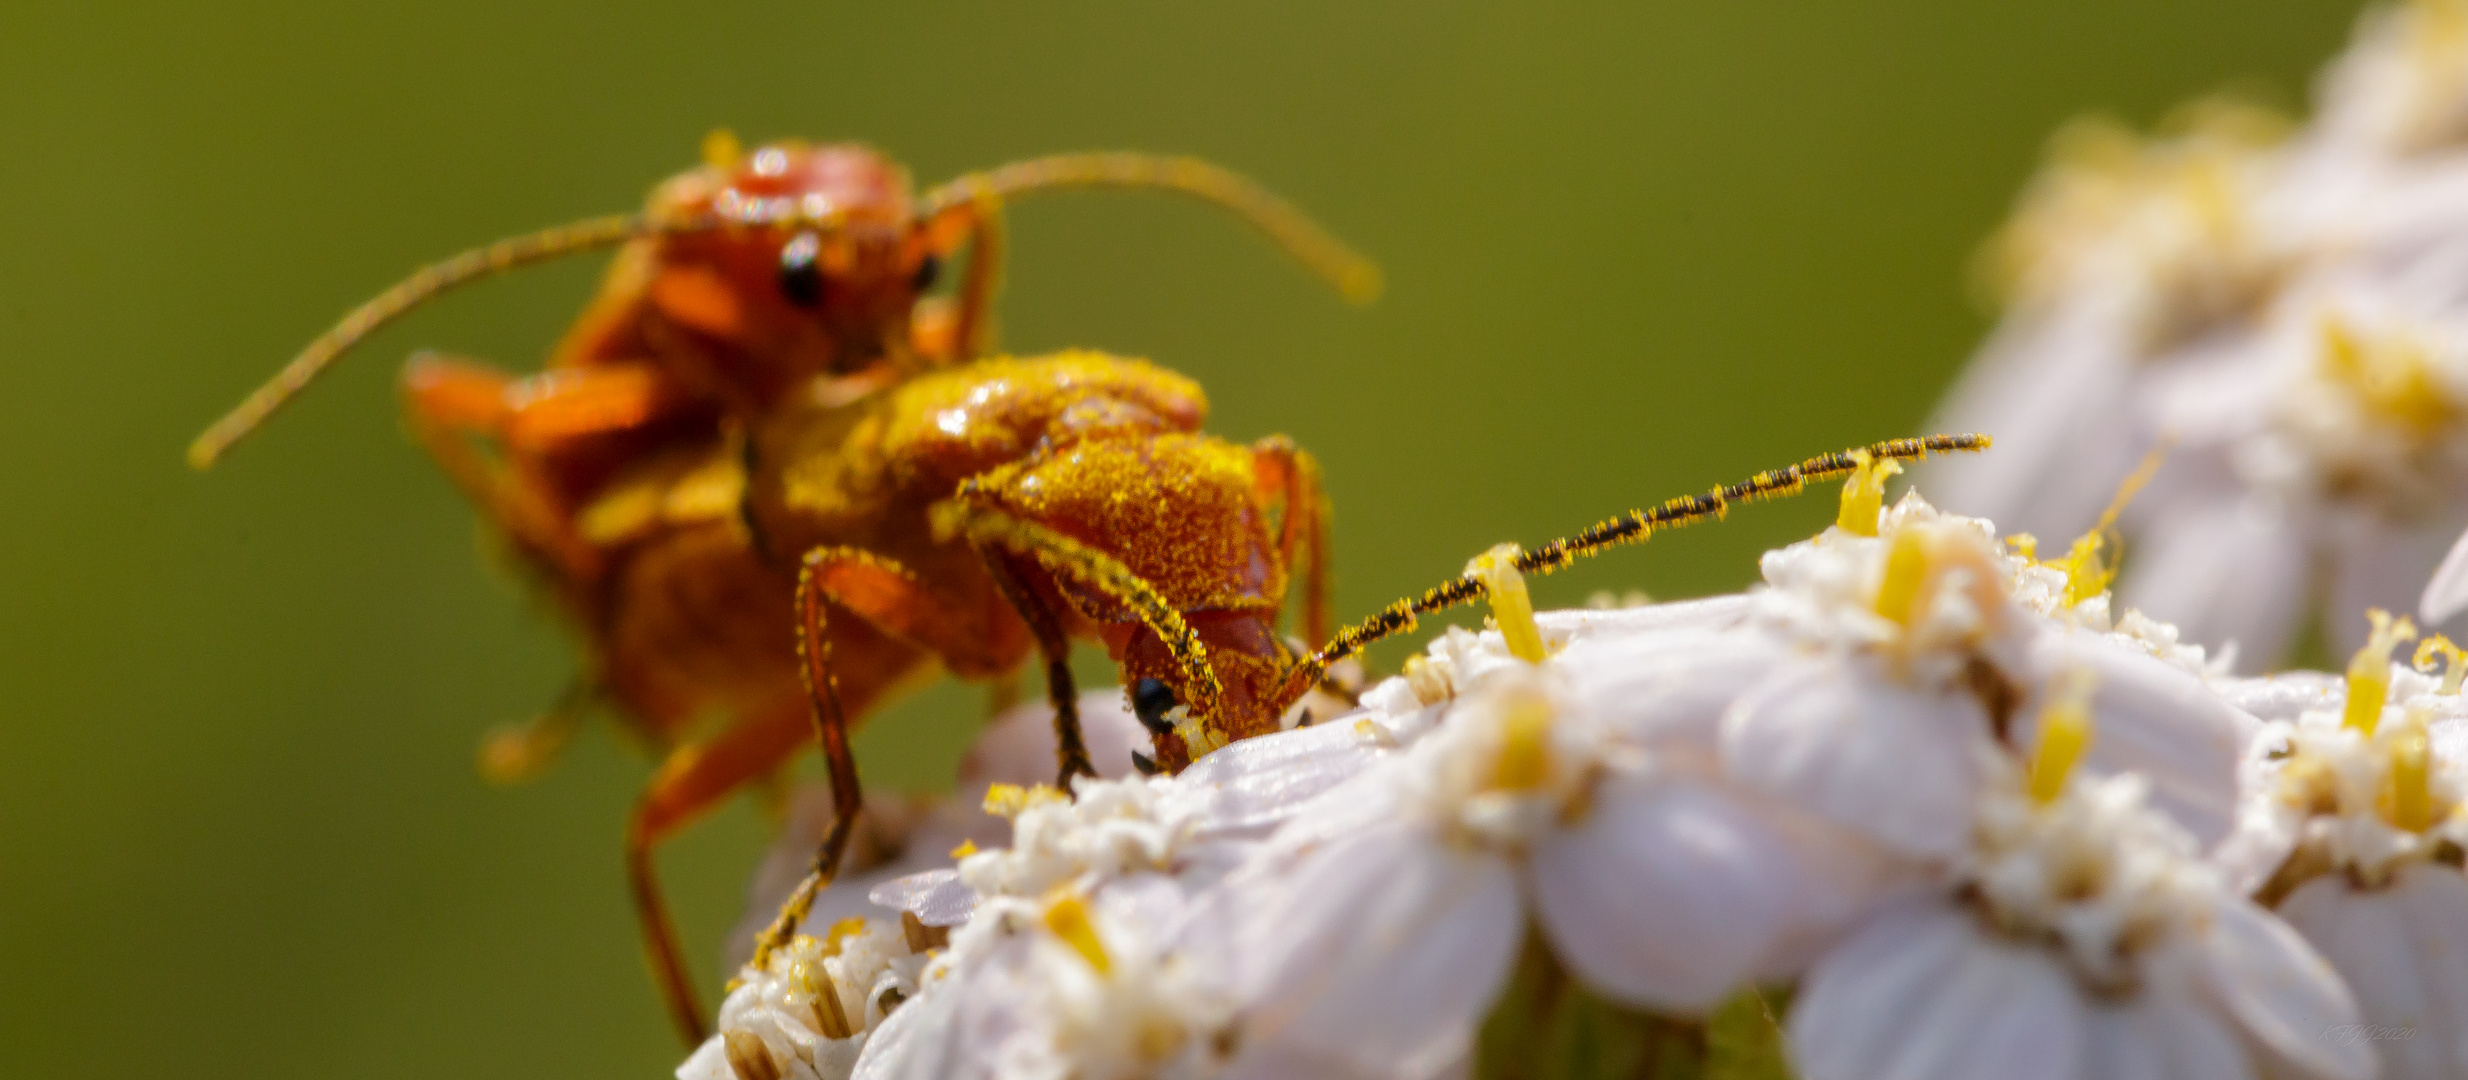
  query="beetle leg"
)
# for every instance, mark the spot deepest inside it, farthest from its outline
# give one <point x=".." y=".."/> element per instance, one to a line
<point x="518" y="752"/>
<point x="885" y="594"/>
<point x="1061" y="689"/>
<point x="1003" y="536"/>
<point x="690" y="781"/>
<point x="972" y="323"/>
<point x="447" y="400"/>
<point x="1293" y="475"/>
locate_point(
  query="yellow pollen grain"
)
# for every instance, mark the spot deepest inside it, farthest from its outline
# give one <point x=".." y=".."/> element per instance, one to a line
<point x="2369" y="671"/>
<point x="1511" y="606"/>
<point x="1067" y="918"/>
<point x="840" y="932"/>
<point x="1863" y="495"/>
<point x="2453" y="658"/>
<point x="2066" y="731"/>
<point x="1008" y="800"/>
<point x="2087" y="572"/>
<point x="966" y="849"/>
<point x="1906" y="568"/>
<point x="1525" y="746"/>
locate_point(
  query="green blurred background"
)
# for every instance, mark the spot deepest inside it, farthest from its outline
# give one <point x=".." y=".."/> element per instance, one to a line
<point x="1632" y="250"/>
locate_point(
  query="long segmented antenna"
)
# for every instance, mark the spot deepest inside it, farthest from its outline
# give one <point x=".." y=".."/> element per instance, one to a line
<point x="411" y="292"/>
<point x="1100" y="571"/>
<point x="1633" y="527"/>
<point x="1353" y="275"/>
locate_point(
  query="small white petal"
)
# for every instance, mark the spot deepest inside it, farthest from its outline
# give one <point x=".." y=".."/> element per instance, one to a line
<point x="1274" y="1062"/>
<point x="1854" y="747"/>
<point x="2283" y="696"/>
<point x="2404" y="953"/>
<point x="1252" y="785"/>
<point x="2377" y="563"/>
<point x="1667" y="690"/>
<point x="1922" y="994"/>
<point x="1382" y="949"/>
<point x="1710" y="613"/>
<point x="2283" y="992"/>
<point x="2159" y="1037"/>
<point x="2223" y="571"/>
<point x="708" y="1062"/>
<point x="2156" y="719"/>
<point x="2048" y="385"/>
<point x="936" y="897"/>
<point x="1842" y="879"/>
<point x="1665" y="895"/>
<point x="2447" y="594"/>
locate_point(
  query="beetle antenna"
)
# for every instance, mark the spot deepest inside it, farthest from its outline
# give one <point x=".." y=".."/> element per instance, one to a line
<point x="1356" y="277"/>
<point x="1098" y="570"/>
<point x="1636" y="526"/>
<point x="411" y="292"/>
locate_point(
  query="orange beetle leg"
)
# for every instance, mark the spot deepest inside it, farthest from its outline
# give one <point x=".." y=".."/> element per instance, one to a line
<point x="976" y="221"/>
<point x="446" y="400"/>
<point x="1292" y="476"/>
<point x="1061" y="689"/>
<point x="694" y="779"/>
<point x="572" y="403"/>
<point x="886" y="595"/>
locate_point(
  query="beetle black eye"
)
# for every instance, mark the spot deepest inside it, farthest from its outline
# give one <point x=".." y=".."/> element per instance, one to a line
<point x="929" y="269"/>
<point x="1151" y="700"/>
<point x="801" y="279"/>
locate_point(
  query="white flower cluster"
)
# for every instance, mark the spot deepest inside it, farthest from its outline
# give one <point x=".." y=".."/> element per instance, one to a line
<point x="2282" y="313"/>
<point x="1920" y="792"/>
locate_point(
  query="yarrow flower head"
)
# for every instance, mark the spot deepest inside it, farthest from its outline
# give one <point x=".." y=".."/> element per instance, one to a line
<point x="1915" y="735"/>
<point x="1914" y="646"/>
<point x="2353" y="826"/>
<point x="808" y="1013"/>
<point x="2079" y="936"/>
<point x="2312" y="387"/>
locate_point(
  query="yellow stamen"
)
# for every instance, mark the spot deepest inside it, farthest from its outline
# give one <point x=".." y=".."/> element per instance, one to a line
<point x="808" y="976"/>
<point x="1007" y="800"/>
<point x="966" y="849"/>
<point x="923" y="939"/>
<point x="1906" y="569"/>
<point x="2454" y="661"/>
<point x="2023" y="546"/>
<point x="2392" y="376"/>
<point x="2087" y="573"/>
<point x="1525" y="744"/>
<point x="721" y="149"/>
<point x="2090" y="563"/>
<point x="1067" y="917"/>
<point x="2066" y="731"/>
<point x="1511" y="607"/>
<point x="748" y="1058"/>
<point x="1863" y="495"/>
<point x="840" y="932"/>
<point x="2408" y="795"/>
<point x="2369" y="671"/>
